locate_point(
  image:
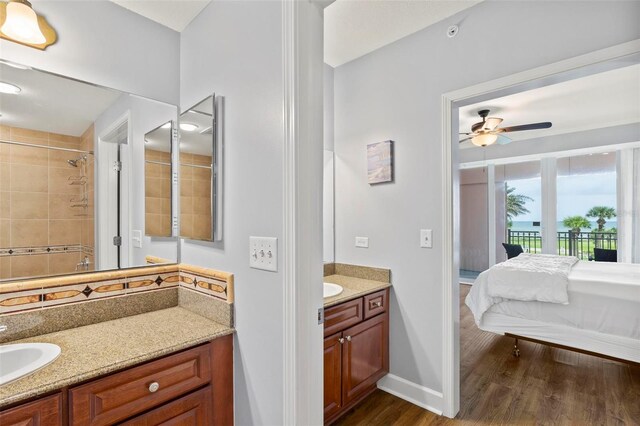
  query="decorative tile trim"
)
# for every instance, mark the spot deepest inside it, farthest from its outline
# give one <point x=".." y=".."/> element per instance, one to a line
<point x="26" y="251"/>
<point x="32" y="294"/>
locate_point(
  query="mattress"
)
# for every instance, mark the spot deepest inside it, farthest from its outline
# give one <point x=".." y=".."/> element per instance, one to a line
<point x="604" y="306"/>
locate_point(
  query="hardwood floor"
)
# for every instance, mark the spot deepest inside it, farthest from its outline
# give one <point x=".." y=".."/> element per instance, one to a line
<point x="543" y="386"/>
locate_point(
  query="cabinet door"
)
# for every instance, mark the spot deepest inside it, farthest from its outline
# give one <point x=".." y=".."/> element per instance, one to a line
<point x="332" y="375"/>
<point x="191" y="410"/>
<point x="365" y="356"/>
<point x="43" y="412"/>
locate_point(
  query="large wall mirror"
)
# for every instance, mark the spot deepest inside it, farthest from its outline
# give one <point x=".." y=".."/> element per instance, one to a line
<point x="72" y="176"/>
<point x="158" y="174"/>
<point x="199" y="171"/>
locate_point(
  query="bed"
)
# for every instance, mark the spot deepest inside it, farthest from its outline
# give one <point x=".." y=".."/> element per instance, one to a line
<point x="601" y="316"/>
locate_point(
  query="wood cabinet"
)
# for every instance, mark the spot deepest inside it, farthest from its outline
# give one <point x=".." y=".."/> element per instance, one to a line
<point x="357" y="356"/>
<point x="192" y="387"/>
<point x="42" y="412"/>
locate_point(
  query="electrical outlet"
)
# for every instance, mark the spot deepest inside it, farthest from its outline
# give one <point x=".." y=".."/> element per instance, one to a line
<point x="425" y="238"/>
<point x="136" y="238"/>
<point x="362" y="242"/>
<point x="263" y="253"/>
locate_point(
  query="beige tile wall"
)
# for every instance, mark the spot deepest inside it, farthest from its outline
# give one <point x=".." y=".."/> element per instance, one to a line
<point x="35" y="208"/>
<point x="195" y="196"/>
<point x="157" y="204"/>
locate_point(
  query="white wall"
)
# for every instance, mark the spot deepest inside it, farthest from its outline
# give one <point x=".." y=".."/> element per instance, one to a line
<point x="235" y="50"/>
<point x="103" y="43"/>
<point x="328" y="123"/>
<point x="145" y="115"/>
<point x="395" y="93"/>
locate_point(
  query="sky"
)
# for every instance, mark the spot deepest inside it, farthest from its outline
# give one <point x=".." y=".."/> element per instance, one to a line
<point x="576" y="194"/>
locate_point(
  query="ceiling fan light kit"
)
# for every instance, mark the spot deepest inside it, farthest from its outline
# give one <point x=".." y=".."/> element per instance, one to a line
<point x="486" y="132"/>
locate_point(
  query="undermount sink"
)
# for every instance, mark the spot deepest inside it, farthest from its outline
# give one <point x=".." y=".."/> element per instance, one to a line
<point x="331" y="290"/>
<point x="19" y="359"/>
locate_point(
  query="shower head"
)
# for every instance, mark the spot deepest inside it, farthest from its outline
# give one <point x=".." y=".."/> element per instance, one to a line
<point x="74" y="163"/>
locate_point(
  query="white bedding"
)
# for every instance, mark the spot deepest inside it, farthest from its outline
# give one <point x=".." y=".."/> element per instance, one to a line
<point x="531" y="277"/>
<point x="603" y="297"/>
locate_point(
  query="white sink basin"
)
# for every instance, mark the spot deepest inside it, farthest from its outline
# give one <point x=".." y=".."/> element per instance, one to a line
<point x="331" y="290"/>
<point x="18" y="360"/>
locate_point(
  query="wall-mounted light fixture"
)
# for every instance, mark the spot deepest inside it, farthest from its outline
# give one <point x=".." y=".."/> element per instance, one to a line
<point x="20" y="23"/>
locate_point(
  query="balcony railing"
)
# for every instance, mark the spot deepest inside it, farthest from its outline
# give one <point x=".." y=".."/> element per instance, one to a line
<point x="579" y="244"/>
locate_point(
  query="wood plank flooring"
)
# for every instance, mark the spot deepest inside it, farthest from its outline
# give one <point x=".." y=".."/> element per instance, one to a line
<point x="543" y="386"/>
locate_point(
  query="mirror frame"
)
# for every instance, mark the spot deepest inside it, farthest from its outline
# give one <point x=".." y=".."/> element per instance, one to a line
<point x="216" y="166"/>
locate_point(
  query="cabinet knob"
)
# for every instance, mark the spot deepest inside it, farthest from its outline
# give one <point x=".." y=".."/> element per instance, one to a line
<point x="376" y="304"/>
<point x="348" y="338"/>
<point x="341" y="340"/>
<point x="154" y="387"/>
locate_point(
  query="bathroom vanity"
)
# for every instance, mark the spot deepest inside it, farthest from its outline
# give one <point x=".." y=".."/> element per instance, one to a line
<point x="356" y="340"/>
<point x="178" y="386"/>
<point x="153" y="345"/>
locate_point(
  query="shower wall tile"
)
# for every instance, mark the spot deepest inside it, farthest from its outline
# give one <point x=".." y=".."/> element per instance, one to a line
<point x="29" y="233"/>
<point x="35" y="206"/>
<point x="29" y="205"/>
<point x="65" y="232"/>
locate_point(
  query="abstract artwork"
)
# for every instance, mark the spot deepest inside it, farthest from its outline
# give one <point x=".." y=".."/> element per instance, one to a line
<point x="380" y="162"/>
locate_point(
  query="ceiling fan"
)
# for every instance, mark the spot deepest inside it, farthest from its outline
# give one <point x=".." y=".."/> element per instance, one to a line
<point x="486" y="132"/>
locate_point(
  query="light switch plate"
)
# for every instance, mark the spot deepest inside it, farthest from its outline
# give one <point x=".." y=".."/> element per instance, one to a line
<point x="263" y="253"/>
<point x="426" y="238"/>
<point x="136" y="238"/>
<point x="362" y="242"/>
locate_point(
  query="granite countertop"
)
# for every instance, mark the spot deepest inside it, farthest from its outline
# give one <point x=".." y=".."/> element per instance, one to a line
<point x="101" y="348"/>
<point x="353" y="288"/>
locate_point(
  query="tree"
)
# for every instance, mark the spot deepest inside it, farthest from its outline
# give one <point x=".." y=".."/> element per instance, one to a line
<point x="515" y="204"/>
<point x="602" y="213"/>
<point x="576" y="223"/>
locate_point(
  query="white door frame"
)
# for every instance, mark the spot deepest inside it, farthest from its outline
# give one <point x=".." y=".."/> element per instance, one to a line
<point x="104" y="228"/>
<point x="451" y="101"/>
<point x="301" y="248"/>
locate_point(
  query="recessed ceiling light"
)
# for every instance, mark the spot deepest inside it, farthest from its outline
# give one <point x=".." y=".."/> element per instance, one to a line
<point x="605" y="153"/>
<point x="166" y="125"/>
<point x="188" y="127"/>
<point x="13" y="65"/>
<point x="9" y="88"/>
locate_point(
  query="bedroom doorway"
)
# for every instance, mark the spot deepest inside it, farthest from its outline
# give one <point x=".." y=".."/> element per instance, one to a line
<point x="627" y="155"/>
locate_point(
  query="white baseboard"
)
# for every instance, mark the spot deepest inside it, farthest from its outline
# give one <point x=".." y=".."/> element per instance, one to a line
<point x="413" y="393"/>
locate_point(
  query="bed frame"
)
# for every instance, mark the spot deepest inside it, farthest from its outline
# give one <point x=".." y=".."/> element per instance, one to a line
<point x="516" y="349"/>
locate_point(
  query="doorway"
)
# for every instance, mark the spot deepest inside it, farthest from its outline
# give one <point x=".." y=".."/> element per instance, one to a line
<point x="593" y="63"/>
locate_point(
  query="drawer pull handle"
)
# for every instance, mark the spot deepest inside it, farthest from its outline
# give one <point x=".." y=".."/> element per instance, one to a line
<point x="376" y="304"/>
<point x="348" y="338"/>
<point x="341" y="340"/>
<point x="153" y="387"/>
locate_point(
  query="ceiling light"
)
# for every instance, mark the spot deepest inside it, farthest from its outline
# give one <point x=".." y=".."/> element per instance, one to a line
<point x="9" y="88"/>
<point x="23" y="25"/>
<point x="166" y="125"/>
<point x="484" y="139"/>
<point x="188" y="127"/>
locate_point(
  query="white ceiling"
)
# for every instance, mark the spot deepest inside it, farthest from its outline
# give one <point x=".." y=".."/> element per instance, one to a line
<point x="50" y="103"/>
<point x="610" y="98"/>
<point x="353" y="28"/>
<point x="175" y="14"/>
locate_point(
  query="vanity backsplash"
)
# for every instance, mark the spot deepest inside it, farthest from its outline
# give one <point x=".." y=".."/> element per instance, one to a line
<point x="26" y="307"/>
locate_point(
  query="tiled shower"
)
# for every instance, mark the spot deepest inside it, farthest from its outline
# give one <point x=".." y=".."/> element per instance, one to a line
<point x="46" y="202"/>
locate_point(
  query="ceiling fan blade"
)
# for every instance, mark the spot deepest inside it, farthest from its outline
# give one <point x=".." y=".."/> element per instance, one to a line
<point x="466" y="139"/>
<point x="491" y="123"/>
<point x="503" y="140"/>
<point x="532" y="126"/>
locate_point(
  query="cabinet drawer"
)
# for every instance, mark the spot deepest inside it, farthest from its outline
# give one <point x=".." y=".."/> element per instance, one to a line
<point x="43" y="412"/>
<point x="339" y="317"/>
<point x="375" y="303"/>
<point x="122" y="395"/>
<point x="194" y="409"/>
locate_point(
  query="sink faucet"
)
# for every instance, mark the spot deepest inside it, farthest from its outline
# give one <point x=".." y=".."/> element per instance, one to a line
<point x="84" y="264"/>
